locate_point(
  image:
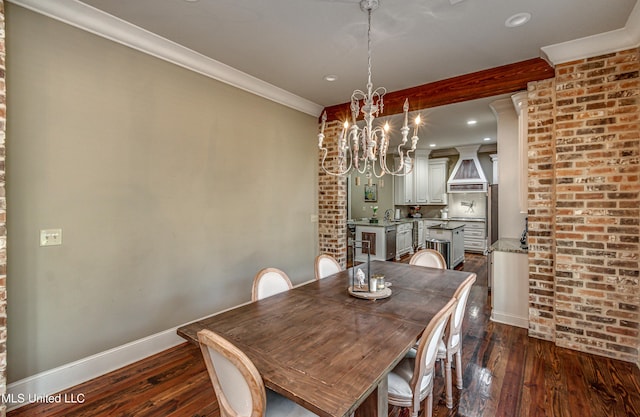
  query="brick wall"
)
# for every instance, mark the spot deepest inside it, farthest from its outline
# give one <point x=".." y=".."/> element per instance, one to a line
<point x="584" y="199"/>
<point x="332" y="201"/>
<point x="541" y="189"/>
<point x="3" y="223"/>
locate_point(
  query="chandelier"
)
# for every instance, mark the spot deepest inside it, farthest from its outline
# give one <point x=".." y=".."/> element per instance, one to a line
<point x="360" y="147"/>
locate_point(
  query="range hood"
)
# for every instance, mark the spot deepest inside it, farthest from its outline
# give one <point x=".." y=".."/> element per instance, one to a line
<point x="467" y="175"/>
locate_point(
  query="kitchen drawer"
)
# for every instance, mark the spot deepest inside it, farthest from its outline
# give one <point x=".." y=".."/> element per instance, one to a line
<point x="469" y="233"/>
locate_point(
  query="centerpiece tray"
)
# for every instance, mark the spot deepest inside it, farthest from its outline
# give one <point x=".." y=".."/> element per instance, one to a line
<point x="378" y="295"/>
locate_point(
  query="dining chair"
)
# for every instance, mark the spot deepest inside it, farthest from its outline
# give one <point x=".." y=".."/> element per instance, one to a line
<point x="451" y="344"/>
<point x="428" y="257"/>
<point x="411" y="381"/>
<point x="326" y="265"/>
<point x="238" y="384"/>
<point x="268" y="282"/>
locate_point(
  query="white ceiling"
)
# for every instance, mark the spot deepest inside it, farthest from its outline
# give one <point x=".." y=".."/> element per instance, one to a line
<point x="293" y="44"/>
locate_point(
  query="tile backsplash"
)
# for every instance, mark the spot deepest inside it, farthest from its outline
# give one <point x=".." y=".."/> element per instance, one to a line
<point x="467" y="205"/>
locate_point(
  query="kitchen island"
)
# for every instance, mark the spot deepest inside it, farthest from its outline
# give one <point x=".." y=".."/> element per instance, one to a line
<point x="452" y="232"/>
<point x="382" y="239"/>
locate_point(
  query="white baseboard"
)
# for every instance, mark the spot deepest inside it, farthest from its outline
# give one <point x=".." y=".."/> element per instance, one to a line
<point x="37" y="387"/>
<point x="40" y="387"/>
<point x="510" y="319"/>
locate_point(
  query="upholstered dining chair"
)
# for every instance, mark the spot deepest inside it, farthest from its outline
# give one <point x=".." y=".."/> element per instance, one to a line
<point x="326" y="265"/>
<point x="428" y="257"/>
<point x="411" y="382"/>
<point x="451" y="344"/>
<point x="238" y="384"/>
<point x="268" y="282"/>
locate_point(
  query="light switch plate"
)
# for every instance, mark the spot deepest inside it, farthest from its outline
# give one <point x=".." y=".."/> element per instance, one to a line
<point x="50" y="237"/>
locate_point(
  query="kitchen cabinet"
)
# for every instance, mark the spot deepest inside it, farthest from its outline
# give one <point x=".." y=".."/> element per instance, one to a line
<point x="421" y="177"/>
<point x="412" y="189"/>
<point x="404" y="239"/>
<point x="475" y="236"/>
<point x="437" y="179"/>
<point x="509" y="283"/>
<point x="404" y="185"/>
<point x="425" y="184"/>
<point x="419" y="226"/>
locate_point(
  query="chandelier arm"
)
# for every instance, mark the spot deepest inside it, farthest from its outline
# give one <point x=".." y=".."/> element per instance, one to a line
<point x="336" y="173"/>
<point x="383" y="171"/>
<point x="364" y="167"/>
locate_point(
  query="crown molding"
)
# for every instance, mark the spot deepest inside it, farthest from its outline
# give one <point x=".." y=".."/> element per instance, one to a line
<point x="92" y="20"/>
<point x="616" y="40"/>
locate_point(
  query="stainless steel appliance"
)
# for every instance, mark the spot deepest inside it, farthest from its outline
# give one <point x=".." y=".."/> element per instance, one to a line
<point x="390" y="240"/>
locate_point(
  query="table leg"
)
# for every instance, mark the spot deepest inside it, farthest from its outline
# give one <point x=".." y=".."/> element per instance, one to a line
<point x="376" y="404"/>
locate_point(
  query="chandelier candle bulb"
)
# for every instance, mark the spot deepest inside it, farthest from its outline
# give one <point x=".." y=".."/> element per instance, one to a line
<point x="405" y="107"/>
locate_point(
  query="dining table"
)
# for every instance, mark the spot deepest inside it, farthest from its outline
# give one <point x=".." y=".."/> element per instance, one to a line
<point x="328" y="350"/>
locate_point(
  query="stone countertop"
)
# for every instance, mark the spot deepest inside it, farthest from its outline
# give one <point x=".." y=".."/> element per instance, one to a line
<point x="508" y="245"/>
<point x="450" y="225"/>
<point x="381" y="223"/>
<point x="468" y="219"/>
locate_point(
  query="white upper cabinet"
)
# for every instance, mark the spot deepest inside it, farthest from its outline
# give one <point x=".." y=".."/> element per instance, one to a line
<point x="426" y="184"/>
<point x="404" y="185"/>
<point x="421" y="178"/>
<point x="438" y="173"/>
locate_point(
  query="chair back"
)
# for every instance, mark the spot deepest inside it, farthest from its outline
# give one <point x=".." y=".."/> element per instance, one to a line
<point x="236" y="381"/>
<point x="455" y="324"/>
<point x="428" y="348"/>
<point x="428" y="257"/>
<point x="326" y="265"/>
<point x="268" y="282"/>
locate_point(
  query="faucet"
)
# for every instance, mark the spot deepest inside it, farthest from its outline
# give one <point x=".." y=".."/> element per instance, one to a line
<point x="387" y="215"/>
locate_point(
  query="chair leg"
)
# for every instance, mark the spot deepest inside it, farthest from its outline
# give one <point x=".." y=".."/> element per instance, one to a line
<point x="429" y="406"/>
<point x="459" y="368"/>
<point x="448" y="383"/>
<point x="442" y="361"/>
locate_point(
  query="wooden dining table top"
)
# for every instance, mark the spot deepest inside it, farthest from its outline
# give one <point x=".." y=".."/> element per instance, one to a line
<point x="330" y="351"/>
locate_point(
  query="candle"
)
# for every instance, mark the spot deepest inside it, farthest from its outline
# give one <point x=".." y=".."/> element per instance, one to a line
<point x="406" y="112"/>
<point x="324" y="121"/>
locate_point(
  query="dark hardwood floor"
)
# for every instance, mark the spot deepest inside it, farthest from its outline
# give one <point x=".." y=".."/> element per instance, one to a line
<point x="506" y="374"/>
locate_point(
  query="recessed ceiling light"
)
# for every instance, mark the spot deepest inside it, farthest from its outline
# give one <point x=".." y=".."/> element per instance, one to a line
<point x="517" y="19"/>
<point x="471" y="122"/>
<point x="432" y="145"/>
<point x="330" y="77"/>
<point x="486" y="139"/>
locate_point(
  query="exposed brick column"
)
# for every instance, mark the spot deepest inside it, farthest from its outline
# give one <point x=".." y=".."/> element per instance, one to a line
<point x="595" y="209"/>
<point x="332" y="201"/>
<point x="3" y="220"/>
<point x="541" y="191"/>
<point x="598" y="215"/>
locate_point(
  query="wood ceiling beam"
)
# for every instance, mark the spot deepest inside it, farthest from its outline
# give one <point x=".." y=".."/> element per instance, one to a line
<point x="486" y="83"/>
